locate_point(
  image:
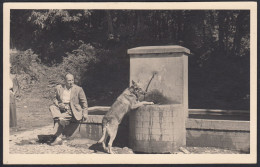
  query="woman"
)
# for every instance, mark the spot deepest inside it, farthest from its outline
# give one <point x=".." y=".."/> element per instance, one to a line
<point x="13" y="90"/>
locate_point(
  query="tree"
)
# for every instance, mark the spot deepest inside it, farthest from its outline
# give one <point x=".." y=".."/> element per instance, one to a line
<point x="218" y="40"/>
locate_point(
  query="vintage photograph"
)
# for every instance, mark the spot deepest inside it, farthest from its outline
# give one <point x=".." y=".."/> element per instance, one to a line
<point x="155" y="82"/>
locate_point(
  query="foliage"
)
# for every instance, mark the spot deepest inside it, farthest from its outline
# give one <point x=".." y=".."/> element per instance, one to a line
<point x="26" y="63"/>
<point x="93" y="44"/>
<point x="79" y="61"/>
<point x="27" y="67"/>
<point x="22" y="61"/>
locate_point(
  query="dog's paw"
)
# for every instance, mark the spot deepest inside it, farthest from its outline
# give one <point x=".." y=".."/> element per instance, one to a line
<point x="111" y="152"/>
<point x="105" y="149"/>
<point x="149" y="103"/>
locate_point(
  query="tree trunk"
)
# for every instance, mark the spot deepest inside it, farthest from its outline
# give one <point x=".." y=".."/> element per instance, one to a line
<point x="140" y="21"/>
<point x="238" y="33"/>
<point x="221" y="21"/>
<point x="180" y="25"/>
<point x="109" y="23"/>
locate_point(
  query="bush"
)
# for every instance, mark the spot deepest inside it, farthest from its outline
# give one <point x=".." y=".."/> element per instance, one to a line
<point x="77" y="63"/>
<point x="21" y="62"/>
<point x="26" y="65"/>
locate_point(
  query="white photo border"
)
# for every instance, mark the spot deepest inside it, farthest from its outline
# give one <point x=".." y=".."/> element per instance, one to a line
<point x="133" y="158"/>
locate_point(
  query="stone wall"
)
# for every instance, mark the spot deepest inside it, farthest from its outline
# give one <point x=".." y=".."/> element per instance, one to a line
<point x="218" y="133"/>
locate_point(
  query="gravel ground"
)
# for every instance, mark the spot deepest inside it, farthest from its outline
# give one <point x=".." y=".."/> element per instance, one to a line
<point x="26" y="142"/>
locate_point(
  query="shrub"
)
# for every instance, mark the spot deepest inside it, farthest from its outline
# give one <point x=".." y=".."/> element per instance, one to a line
<point x="21" y="62"/>
<point x="26" y="65"/>
<point x="77" y="63"/>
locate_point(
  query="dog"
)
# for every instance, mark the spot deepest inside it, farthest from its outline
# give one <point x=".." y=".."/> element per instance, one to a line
<point x="126" y="102"/>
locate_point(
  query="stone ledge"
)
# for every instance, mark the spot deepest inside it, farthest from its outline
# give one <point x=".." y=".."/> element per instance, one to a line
<point x="158" y="49"/>
<point x="229" y="125"/>
<point x="97" y="119"/>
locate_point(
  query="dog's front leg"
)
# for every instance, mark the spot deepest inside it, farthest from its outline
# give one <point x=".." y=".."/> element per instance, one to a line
<point x="139" y="104"/>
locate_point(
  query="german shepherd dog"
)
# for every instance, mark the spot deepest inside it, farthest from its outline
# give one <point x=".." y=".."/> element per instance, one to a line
<point x="126" y="102"/>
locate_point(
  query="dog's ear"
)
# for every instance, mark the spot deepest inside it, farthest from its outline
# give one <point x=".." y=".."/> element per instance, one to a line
<point x="133" y="82"/>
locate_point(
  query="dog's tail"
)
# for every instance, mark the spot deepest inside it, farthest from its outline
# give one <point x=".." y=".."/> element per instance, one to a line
<point x="104" y="131"/>
<point x="104" y="135"/>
